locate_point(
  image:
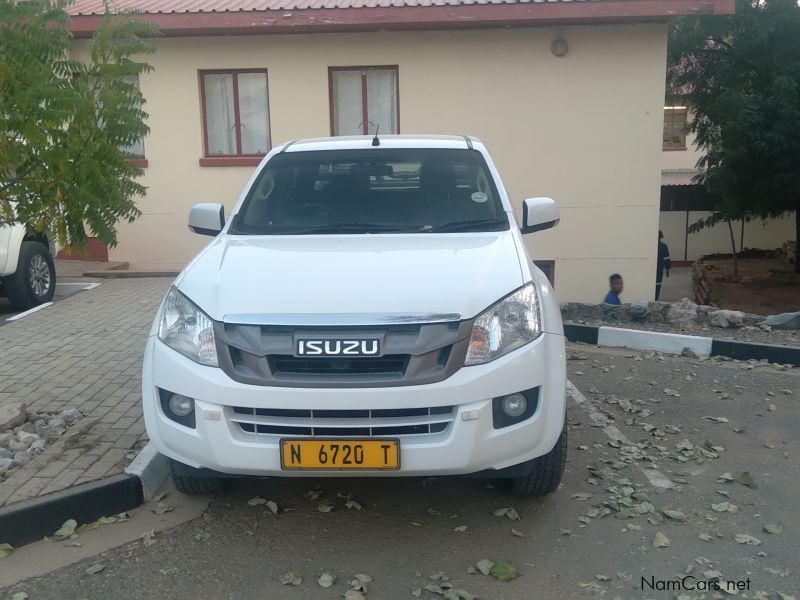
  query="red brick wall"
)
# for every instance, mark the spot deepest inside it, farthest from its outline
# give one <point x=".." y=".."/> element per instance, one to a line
<point x="95" y="250"/>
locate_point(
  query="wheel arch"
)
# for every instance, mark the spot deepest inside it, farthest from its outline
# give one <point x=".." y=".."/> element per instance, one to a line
<point x="34" y="236"/>
<point x="20" y="234"/>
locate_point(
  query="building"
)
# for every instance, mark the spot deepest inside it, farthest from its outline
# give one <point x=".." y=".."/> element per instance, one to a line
<point x="567" y="94"/>
<point x="683" y="202"/>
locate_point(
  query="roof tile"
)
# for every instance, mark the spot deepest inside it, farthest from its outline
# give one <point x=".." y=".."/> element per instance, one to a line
<point x="96" y="7"/>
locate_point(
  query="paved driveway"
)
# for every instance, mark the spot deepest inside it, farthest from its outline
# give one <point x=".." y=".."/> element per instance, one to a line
<point x="643" y="422"/>
<point x="83" y="352"/>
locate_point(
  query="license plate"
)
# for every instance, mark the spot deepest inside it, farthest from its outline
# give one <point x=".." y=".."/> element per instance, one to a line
<point x="341" y="455"/>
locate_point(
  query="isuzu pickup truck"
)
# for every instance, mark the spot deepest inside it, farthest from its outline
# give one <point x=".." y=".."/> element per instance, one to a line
<point x="368" y="308"/>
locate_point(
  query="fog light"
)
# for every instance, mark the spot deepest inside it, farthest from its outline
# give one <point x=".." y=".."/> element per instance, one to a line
<point x="514" y="408"/>
<point x="181" y="406"/>
<point x="515" y="405"/>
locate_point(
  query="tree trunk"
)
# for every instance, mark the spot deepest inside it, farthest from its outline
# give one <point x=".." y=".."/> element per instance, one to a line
<point x="733" y="247"/>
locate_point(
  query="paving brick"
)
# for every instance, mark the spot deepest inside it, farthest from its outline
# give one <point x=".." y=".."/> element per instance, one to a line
<point x="85" y="352"/>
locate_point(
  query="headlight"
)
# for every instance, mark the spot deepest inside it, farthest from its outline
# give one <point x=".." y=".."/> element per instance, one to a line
<point x="187" y="329"/>
<point x="512" y="322"/>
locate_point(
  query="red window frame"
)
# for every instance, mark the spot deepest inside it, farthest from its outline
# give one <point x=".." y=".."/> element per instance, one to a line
<point x="548" y="267"/>
<point x="364" y="97"/>
<point x="238" y="159"/>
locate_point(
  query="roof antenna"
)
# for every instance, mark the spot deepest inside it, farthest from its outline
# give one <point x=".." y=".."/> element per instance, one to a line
<point x="375" y="140"/>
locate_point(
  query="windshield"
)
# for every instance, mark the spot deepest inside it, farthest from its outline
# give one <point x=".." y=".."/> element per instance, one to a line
<point x="372" y="191"/>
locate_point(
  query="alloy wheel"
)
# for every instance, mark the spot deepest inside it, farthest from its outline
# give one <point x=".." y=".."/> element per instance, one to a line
<point x="39" y="275"/>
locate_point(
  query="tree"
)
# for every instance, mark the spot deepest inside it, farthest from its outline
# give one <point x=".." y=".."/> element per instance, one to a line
<point x="64" y="123"/>
<point x="741" y="75"/>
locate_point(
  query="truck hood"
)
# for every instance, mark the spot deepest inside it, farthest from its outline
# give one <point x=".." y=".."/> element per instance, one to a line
<point x="281" y="277"/>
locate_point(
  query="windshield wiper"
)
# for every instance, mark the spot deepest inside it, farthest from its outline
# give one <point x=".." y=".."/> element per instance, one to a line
<point x="469" y="225"/>
<point x="349" y="228"/>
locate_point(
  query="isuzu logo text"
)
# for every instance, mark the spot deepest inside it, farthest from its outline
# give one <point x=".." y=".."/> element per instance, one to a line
<point x="338" y="347"/>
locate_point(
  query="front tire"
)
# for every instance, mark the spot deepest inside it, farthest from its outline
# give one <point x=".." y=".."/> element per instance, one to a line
<point x="34" y="281"/>
<point x="192" y="485"/>
<point x="547" y="471"/>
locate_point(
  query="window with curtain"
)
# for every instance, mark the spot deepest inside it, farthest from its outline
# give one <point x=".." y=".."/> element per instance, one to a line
<point x="235" y="112"/>
<point x="675" y="127"/>
<point x="363" y="99"/>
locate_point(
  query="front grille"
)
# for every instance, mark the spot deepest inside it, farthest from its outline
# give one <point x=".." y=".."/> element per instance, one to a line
<point x="343" y="423"/>
<point x="392" y="364"/>
<point x="413" y="354"/>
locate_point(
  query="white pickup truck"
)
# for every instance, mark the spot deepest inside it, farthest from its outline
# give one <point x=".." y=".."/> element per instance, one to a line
<point x="369" y="308"/>
<point x="27" y="274"/>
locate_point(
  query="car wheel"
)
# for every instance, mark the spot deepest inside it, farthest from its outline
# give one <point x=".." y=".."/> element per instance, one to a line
<point x="547" y="471"/>
<point x="34" y="281"/>
<point x="191" y="485"/>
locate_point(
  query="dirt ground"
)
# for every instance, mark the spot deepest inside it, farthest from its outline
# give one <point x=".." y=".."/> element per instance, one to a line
<point x="757" y="292"/>
<point x="680" y="471"/>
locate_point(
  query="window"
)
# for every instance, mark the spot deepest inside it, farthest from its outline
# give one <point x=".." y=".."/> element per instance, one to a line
<point x="135" y="151"/>
<point x="235" y="115"/>
<point x="674" y="128"/>
<point x="363" y="98"/>
<point x="548" y="267"/>
<point x="411" y="190"/>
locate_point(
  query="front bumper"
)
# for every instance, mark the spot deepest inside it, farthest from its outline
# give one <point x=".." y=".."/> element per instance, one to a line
<point x="466" y="446"/>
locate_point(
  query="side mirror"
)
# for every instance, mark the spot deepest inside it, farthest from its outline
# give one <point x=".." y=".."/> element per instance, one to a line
<point x="538" y="214"/>
<point x="207" y="218"/>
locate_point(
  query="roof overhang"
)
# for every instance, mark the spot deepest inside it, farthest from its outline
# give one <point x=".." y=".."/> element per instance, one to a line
<point x="679" y="177"/>
<point x="404" y="18"/>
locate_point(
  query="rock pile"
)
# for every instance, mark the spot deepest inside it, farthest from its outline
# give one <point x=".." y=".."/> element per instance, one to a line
<point x="684" y="314"/>
<point x="23" y="435"/>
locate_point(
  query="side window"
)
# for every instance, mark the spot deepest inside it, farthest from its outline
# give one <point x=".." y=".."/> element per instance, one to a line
<point x="364" y="98"/>
<point x="675" y="127"/>
<point x="235" y="112"/>
<point x="136" y="149"/>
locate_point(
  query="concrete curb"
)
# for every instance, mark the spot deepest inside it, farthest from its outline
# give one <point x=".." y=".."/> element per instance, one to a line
<point x="30" y="520"/>
<point x="151" y="468"/>
<point x="114" y="274"/>
<point x="672" y="343"/>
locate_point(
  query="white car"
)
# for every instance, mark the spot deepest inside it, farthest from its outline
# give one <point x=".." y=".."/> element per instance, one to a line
<point x="27" y="274"/>
<point x="369" y="308"/>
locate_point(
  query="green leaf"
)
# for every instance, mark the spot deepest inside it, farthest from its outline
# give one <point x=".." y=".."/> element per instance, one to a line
<point x="149" y="538"/>
<point x="746" y="479"/>
<point x="744" y="538"/>
<point x="626" y="513"/>
<point x="675" y="515"/>
<point x="290" y="578"/>
<point x="485" y="566"/>
<point x="660" y="540"/>
<point x="66" y="530"/>
<point x="6" y="550"/>
<point x="503" y="570"/>
<point x="773" y="528"/>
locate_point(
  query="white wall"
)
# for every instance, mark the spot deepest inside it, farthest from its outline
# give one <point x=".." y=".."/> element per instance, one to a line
<point x="765" y="236"/>
<point x="584" y="129"/>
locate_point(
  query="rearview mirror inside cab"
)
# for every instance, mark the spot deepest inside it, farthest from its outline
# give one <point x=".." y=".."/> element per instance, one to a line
<point x="538" y="214"/>
<point x="207" y="218"/>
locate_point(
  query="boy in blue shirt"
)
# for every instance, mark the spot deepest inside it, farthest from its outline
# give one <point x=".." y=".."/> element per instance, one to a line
<point x="616" y="285"/>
